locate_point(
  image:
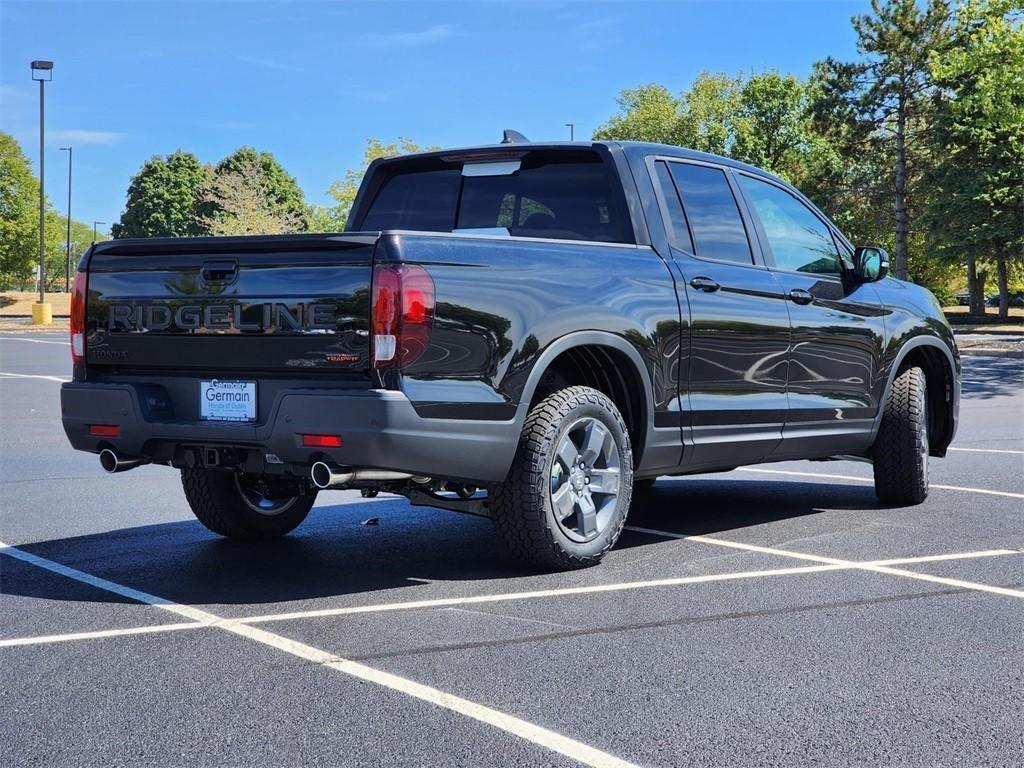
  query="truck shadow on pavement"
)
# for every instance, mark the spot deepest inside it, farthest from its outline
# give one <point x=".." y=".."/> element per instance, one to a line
<point x="333" y="554"/>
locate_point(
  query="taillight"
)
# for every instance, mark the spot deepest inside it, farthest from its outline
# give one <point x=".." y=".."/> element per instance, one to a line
<point x="402" y="314"/>
<point x="77" y="320"/>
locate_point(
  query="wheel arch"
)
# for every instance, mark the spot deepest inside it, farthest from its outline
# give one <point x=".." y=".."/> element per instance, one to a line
<point x="940" y="370"/>
<point x="606" y="362"/>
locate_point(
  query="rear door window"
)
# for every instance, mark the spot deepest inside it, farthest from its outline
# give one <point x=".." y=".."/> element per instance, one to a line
<point x="713" y="215"/>
<point x="799" y="241"/>
<point x="566" y="196"/>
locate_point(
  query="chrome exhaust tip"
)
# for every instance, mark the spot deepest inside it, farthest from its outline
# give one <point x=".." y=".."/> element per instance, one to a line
<point x="112" y="463"/>
<point x="324" y="476"/>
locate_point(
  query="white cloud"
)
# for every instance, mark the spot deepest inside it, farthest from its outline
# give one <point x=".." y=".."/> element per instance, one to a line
<point x="435" y="33"/>
<point x="260" y="61"/>
<point x="80" y="136"/>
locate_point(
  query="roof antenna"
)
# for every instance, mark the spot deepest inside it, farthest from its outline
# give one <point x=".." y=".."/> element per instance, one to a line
<point x="508" y="136"/>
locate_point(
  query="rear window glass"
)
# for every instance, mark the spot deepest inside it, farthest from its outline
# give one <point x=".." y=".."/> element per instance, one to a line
<point x="550" y="196"/>
<point x="423" y="201"/>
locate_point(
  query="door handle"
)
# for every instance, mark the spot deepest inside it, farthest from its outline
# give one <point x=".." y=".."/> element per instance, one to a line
<point x="705" y="284"/>
<point x="800" y="296"/>
<point x="219" y="271"/>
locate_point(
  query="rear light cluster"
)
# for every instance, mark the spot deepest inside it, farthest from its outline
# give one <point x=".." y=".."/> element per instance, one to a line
<point x="77" y="320"/>
<point x="104" y="430"/>
<point x="402" y="314"/>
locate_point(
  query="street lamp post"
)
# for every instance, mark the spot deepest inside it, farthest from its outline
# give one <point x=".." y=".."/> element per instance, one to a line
<point x="67" y="257"/>
<point x="42" y="71"/>
<point x="572" y="131"/>
<point x="94" y="229"/>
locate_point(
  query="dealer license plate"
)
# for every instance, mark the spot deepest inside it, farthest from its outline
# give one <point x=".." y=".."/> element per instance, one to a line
<point x="221" y="400"/>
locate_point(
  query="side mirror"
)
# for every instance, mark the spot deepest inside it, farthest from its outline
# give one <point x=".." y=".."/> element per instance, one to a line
<point x="870" y="263"/>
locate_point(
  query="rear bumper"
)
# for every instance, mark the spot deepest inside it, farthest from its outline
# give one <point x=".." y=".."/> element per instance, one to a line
<point x="380" y="429"/>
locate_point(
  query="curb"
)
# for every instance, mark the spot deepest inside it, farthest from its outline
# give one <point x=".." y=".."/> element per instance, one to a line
<point x="991" y="352"/>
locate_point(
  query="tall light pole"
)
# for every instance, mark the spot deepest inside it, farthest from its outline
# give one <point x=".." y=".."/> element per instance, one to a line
<point x="67" y="258"/>
<point x="572" y="131"/>
<point x="94" y="229"/>
<point x="42" y="71"/>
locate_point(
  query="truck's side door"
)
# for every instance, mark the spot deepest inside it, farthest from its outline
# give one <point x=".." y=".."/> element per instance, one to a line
<point x="837" y="327"/>
<point x="739" y="325"/>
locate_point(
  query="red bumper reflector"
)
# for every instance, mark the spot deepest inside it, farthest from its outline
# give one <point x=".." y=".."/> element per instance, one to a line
<point x="321" y="441"/>
<point x="104" y="430"/>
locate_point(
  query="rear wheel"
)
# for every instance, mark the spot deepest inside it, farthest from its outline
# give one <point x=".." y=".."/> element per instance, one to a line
<point x="241" y="506"/>
<point x="900" y="453"/>
<point x="565" y="500"/>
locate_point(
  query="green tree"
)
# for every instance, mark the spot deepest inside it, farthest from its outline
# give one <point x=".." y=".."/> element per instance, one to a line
<point x="19" y="213"/>
<point x="281" y="191"/>
<point x="710" y="111"/>
<point x="771" y="127"/>
<point x="334" y="218"/>
<point x="879" y="104"/>
<point x="977" y="209"/>
<point x="165" y="198"/>
<point x="242" y="201"/>
<point x="56" y="253"/>
<point x="702" y="118"/>
<point x="760" y="119"/>
<point x="646" y="113"/>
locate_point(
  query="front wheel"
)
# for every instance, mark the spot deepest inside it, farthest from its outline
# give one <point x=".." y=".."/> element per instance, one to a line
<point x="241" y="506"/>
<point x="565" y="500"/>
<point x="900" y="453"/>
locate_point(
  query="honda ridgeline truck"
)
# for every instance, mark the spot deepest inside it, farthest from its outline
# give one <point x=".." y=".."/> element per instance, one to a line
<point x="530" y="332"/>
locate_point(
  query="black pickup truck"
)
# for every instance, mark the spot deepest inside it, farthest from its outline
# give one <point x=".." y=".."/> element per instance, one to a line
<point x="531" y="332"/>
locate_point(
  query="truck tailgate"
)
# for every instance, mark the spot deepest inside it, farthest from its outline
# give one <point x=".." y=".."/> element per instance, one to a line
<point x="231" y="305"/>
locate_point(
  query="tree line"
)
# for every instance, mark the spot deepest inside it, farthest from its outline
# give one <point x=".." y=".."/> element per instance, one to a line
<point x="916" y="145"/>
<point x="19" y="226"/>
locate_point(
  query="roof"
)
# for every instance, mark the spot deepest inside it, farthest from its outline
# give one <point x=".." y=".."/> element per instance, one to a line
<point x="632" y="148"/>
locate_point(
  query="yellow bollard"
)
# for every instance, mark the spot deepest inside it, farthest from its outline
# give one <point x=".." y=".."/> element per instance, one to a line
<point x="42" y="313"/>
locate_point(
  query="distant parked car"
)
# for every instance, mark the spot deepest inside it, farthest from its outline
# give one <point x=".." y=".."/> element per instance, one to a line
<point x="1014" y="299"/>
<point x="963" y="299"/>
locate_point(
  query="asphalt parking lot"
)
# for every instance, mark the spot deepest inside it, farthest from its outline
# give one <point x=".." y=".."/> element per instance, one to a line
<point x="771" y="616"/>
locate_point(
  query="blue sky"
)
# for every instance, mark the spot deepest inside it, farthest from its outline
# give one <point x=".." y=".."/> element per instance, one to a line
<point x="311" y="81"/>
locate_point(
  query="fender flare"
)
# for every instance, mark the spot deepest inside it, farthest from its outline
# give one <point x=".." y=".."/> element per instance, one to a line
<point x="583" y="339"/>
<point x="912" y="344"/>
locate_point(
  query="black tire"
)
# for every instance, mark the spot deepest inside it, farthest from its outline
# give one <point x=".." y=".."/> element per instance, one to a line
<point x="900" y="453"/>
<point x="643" y="486"/>
<point x="217" y="500"/>
<point x="522" y="507"/>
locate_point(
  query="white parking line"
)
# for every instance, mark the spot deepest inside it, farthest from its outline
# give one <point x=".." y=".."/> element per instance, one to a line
<point x="148" y="629"/>
<point x="531" y="595"/>
<point x="444" y="602"/>
<point x="876" y="566"/>
<point x="513" y="725"/>
<point x="31" y="376"/>
<point x="986" y="491"/>
<point x="985" y="450"/>
<point x="34" y="341"/>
